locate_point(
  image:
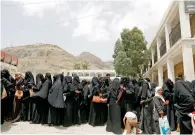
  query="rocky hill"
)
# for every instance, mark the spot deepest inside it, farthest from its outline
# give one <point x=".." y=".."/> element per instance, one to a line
<point x="42" y="58"/>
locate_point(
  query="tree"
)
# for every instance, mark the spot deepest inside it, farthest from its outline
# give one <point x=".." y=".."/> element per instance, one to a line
<point x="85" y="65"/>
<point x="130" y="53"/>
<point x="77" y="65"/>
<point x="81" y="65"/>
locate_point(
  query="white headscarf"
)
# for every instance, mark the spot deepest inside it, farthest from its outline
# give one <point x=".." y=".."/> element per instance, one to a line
<point x="157" y="94"/>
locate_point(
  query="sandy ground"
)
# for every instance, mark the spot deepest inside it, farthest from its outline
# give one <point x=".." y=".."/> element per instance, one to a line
<point x="26" y="128"/>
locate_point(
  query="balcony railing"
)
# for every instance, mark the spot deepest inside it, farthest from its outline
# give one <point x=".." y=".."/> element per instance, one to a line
<point x="163" y="48"/>
<point x="155" y="57"/>
<point x="175" y="35"/>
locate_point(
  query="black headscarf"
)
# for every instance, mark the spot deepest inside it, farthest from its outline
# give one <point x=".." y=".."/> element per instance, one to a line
<point x="115" y="85"/>
<point x="55" y="97"/>
<point x="8" y="81"/>
<point x="67" y="81"/>
<point x="39" y="81"/>
<point x="94" y="81"/>
<point x="5" y="74"/>
<point x="84" y="82"/>
<point x="43" y="93"/>
<point x="29" y="80"/>
<point x="94" y="86"/>
<point x="125" y="81"/>
<point x="55" y="78"/>
<point x="48" y="77"/>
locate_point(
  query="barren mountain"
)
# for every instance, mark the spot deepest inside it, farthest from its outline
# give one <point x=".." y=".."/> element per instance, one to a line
<point x="42" y="58"/>
<point x="95" y="62"/>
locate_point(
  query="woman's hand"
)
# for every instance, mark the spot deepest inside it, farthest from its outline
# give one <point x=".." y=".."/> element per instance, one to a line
<point x="142" y="102"/>
<point x="161" y="114"/>
<point x="166" y="102"/>
<point x="78" y="92"/>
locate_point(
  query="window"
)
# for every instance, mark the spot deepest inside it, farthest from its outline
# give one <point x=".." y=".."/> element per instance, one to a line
<point x="86" y="74"/>
<point x="74" y="73"/>
<point x="92" y="74"/>
<point x="80" y="74"/>
<point x="99" y="74"/>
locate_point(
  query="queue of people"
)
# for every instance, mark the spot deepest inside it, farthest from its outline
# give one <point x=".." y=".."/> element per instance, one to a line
<point x="135" y="106"/>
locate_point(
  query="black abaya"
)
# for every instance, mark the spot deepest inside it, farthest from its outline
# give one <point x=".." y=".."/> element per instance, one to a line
<point x="114" y="110"/>
<point x="184" y="99"/>
<point x="98" y="111"/>
<point x="34" y="103"/>
<point x="56" y="101"/>
<point x="9" y="84"/>
<point x="41" y="101"/>
<point x="146" y="118"/>
<point x="28" y="84"/>
<point x="168" y="95"/>
<point x="85" y="103"/>
<point x="68" y="118"/>
<point x="77" y="99"/>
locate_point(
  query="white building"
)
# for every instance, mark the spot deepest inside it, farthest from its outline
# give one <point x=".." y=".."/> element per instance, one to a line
<point x="89" y="74"/>
<point x="173" y="47"/>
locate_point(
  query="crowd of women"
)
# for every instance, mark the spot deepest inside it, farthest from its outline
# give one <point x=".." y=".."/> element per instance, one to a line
<point x="66" y="101"/>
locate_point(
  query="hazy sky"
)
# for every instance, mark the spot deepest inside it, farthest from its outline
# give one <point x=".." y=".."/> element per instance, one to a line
<point x="78" y="25"/>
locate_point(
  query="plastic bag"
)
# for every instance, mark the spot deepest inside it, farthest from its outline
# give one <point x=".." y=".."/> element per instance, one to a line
<point x="164" y="126"/>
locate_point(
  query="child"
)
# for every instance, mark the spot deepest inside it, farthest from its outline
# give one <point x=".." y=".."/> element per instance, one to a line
<point x="130" y="122"/>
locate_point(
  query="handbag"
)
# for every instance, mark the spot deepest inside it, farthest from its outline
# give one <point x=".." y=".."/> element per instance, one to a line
<point x="4" y="94"/>
<point x="103" y="100"/>
<point x="31" y="92"/>
<point x="96" y="99"/>
<point x="19" y="94"/>
<point x="164" y="126"/>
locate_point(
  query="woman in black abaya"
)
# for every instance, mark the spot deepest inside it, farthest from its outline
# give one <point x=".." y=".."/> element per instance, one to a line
<point x="184" y="99"/>
<point x="85" y="102"/>
<point x="28" y="84"/>
<point x="34" y="103"/>
<point x="168" y="95"/>
<point x="56" y="101"/>
<point x="97" y="110"/>
<point x="9" y="84"/>
<point x="41" y="100"/>
<point x="69" y="101"/>
<point x="114" y="110"/>
<point x="129" y="96"/>
<point x="76" y="90"/>
<point x="146" y="118"/>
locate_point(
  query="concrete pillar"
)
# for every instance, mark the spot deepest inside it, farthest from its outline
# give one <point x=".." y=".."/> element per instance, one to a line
<point x="160" y="76"/>
<point x="152" y="54"/>
<point x="167" y="32"/>
<point x="158" y="47"/>
<point x="188" y="62"/>
<point x="170" y="69"/>
<point x="184" y="21"/>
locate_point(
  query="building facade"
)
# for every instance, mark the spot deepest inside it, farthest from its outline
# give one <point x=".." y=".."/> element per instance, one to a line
<point x="173" y="47"/>
<point x="9" y="62"/>
<point x="89" y="74"/>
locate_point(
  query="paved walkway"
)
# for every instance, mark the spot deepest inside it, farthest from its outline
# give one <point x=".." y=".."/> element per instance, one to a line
<point x="26" y="128"/>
